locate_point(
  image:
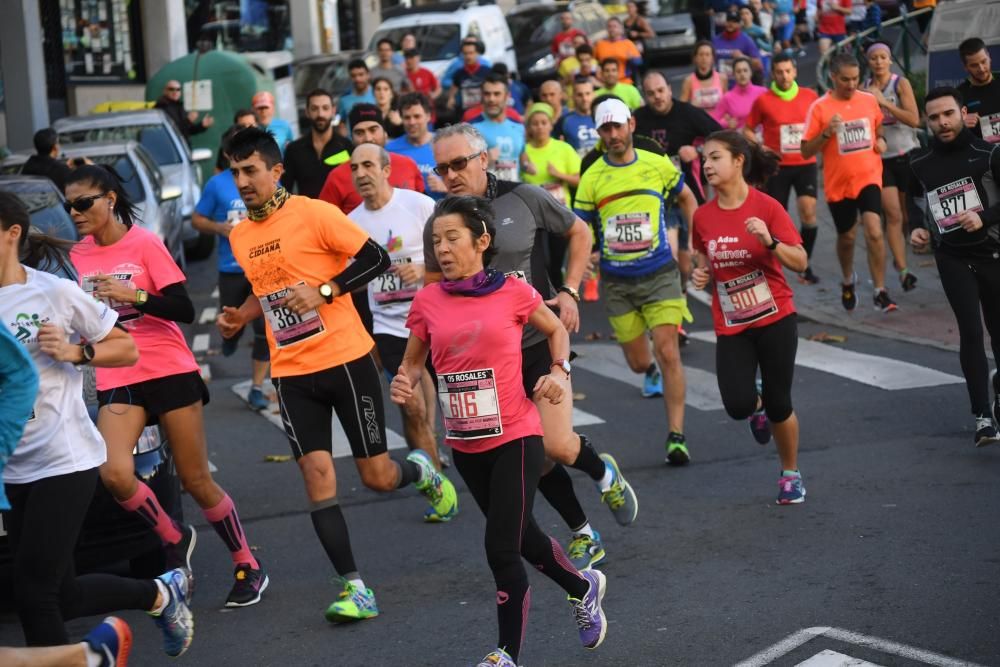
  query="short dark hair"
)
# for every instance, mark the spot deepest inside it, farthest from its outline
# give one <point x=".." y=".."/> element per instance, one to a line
<point x="783" y="57"/>
<point x="477" y="214"/>
<point x="969" y="47"/>
<point x="493" y="77"/>
<point x="384" y="40"/>
<point x="241" y="113"/>
<point x="944" y="91"/>
<point x="500" y="68"/>
<point x="45" y="140"/>
<point x="414" y="99"/>
<point x="609" y="61"/>
<point x="582" y="79"/>
<point x="842" y="60"/>
<point x="584" y="48"/>
<point x="318" y="92"/>
<point x="252" y="140"/>
<point x="357" y="63"/>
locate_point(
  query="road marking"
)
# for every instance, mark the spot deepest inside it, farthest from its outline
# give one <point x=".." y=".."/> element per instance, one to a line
<point x="797" y="639"/>
<point x="889" y="374"/>
<point x="208" y="315"/>
<point x="581" y="418"/>
<point x="830" y="658"/>
<point x="201" y="343"/>
<point x="215" y="293"/>
<point x="206" y="372"/>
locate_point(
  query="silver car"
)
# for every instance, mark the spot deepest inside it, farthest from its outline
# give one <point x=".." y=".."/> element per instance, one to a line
<point x="157" y="202"/>
<point x="157" y="133"/>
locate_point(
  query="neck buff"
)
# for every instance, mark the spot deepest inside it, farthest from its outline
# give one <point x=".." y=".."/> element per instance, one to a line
<point x="483" y="283"/>
<point x="263" y="211"/>
<point x="786" y="95"/>
<point x="706" y="76"/>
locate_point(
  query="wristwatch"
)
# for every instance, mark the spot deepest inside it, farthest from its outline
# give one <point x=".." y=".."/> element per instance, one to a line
<point x="141" y="297"/>
<point x="87" y="350"/>
<point x="774" y="243"/>
<point x="572" y="292"/>
<point x="326" y="292"/>
<point x="563" y="364"/>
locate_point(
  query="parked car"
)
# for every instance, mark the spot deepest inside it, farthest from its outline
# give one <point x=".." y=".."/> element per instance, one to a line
<point x="533" y="26"/>
<point x="674" y="28"/>
<point x="157" y="133"/>
<point x="326" y="71"/>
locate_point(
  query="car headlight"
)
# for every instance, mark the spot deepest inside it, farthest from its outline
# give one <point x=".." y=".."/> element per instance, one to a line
<point x="544" y="63"/>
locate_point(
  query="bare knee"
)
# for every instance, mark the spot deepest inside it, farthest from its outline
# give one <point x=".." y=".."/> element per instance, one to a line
<point x="318" y="477"/>
<point x="562" y="447"/>
<point x="380" y="477"/>
<point x="118" y="478"/>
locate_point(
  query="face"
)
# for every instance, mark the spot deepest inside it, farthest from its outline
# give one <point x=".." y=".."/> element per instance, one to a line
<point x="784" y="74"/>
<point x="99" y="215"/>
<point x="494" y="99"/>
<point x="746" y="16"/>
<point x="945" y="119"/>
<point x="359" y="78"/>
<point x="551" y="93"/>
<point x="413" y="63"/>
<point x="367" y="172"/>
<point x="845" y="81"/>
<point x="382" y="92"/>
<point x="617" y="137"/>
<point x="385" y="52"/>
<point x="566" y="19"/>
<point x="264" y="113"/>
<point x="609" y="74"/>
<point x="658" y="94"/>
<point x="632" y="8"/>
<point x="368" y="132"/>
<point x="470" y="54"/>
<point x="978" y="66"/>
<point x="703" y="59"/>
<point x="415" y="121"/>
<point x="539" y="127"/>
<point x="457" y="253"/>
<point x="471" y="180"/>
<point x="10" y="241"/>
<point x="720" y="165"/>
<point x="249" y="120"/>
<point x="732" y="26"/>
<point x="583" y="97"/>
<point x="879" y="61"/>
<point x="586" y="62"/>
<point x="173" y="90"/>
<point x="320" y="112"/>
<point x="254" y="180"/>
<point x="615" y="29"/>
<point x="743" y="73"/>
<point x="408" y="42"/>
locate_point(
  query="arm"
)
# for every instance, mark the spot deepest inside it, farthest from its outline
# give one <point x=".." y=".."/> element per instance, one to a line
<point x="410" y="371"/>
<point x="18" y="386"/>
<point x="370" y="261"/>
<point x="173" y="302"/>
<point x="208" y="226"/>
<point x="551" y="386"/>
<point x="811" y="147"/>
<point x="791" y="257"/>
<point x="231" y="320"/>
<point x="115" y="350"/>
<point x="578" y="254"/>
<point x="907" y="111"/>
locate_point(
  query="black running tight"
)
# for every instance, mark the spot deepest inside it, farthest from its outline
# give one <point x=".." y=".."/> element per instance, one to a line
<point x="772" y="349"/>
<point x="503" y="481"/>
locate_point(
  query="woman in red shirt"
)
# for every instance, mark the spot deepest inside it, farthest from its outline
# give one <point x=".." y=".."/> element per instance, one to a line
<point x="742" y="240"/>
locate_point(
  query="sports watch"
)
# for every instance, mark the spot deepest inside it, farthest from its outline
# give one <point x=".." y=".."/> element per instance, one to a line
<point x="326" y="292"/>
<point x="774" y="243"/>
<point x="87" y="351"/>
<point x="572" y="292"/>
<point x="563" y="364"/>
<point x="141" y="297"/>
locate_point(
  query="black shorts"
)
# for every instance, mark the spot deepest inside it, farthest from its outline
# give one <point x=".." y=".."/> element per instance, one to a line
<point x="390" y="352"/>
<point x="803" y="178"/>
<point x="353" y="390"/>
<point x="801" y="17"/>
<point x="536" y="361"/>
<point x="158" y="395"/>
<point x="896" y="172"/>
<point x="845" y="212"/>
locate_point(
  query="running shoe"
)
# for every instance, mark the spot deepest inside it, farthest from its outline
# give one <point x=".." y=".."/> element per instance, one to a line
<point x="848" y="297"/>
<point x="653" y="384"/>
<point x="178" y="555"/>
<point x="807" y="277"/>
<point x="588" y="612"/>
<point x="353" y="604"/>
<point x="996" y="406"/>
<point x="176" y="620"/>
<point x="790" y="490"/>
<point x="249" y="585"/>
<point x="590" y="292"/>
<point x="883" y="302"/>
<point x="986" y="431"/>
<point x="907" y="280"/>
<point x="677" y="451"/>
<point x="257" y="400"/>
<point x="112" y="641"/>
<point x="497" y="658"/>
<point x="620" y="498"/>
<point x="760" y="427"/>
<point x="437" y="488"/>
<point x="585" y="551"/>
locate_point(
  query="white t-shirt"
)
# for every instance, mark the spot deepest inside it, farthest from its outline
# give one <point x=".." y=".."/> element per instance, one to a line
<point x="399" y="228"/>
<point x="59" y="438"/>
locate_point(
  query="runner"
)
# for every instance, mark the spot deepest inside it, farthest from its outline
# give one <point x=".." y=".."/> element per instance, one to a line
<point x="732" y="43"/>
<point x="742" y="241"/>
<point x="129" y="270"/>
<point x="106" y="645"/>
<point x="550" y="163"/>
<point x="577" y="127"/>
<point x="51" y="476"/>
<point x="385" y="100"/>
<point x="735" y="105"/>
<point x="492" y="424"/>
<point x="958" y="173"/>
<point x="705" y="86"/>
<point x="217" y="212"/>
<point x="846" y="125"/>
<point x="524" y="212"/>
<point x="18" y="386"/>
<point x="981" y="91"/>
<point x="395" y="219"/>
<point x="466" y="89"/>
<point x="360" y="92"/>
<point x="781" y="114"/>
<point x="636" y="26"/>
<point x="306" y="158"/>
<point x="416" y="142"/>
<point x="504" y="137"/>
<point x="620" y="48"/>
<point x="623" y="195"/>
<point x="294" y="251"/>
<point x="613" y="85"/>
<point x="894" y="94"/>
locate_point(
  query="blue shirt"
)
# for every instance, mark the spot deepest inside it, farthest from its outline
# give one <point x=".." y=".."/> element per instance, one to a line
<point x="282" y="132"/>
<point x="519" y="94"/>
<point x="349" y="99"/>
<point x="423" y="156"/>
<point x="508" y="137"/>
<point x="579" y="131"/>
<point x="18" y="386"/>
<point x="725" y="48"/>
<point x="448" y="79"/>
<point x="221" y="202"/>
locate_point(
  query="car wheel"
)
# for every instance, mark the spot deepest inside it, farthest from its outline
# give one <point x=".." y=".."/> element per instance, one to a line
<point x="148" y="565"/>
<point x="200" y="248"/>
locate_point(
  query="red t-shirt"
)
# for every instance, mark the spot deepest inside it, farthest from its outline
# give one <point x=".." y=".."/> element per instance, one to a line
<point x="832" y="22"/>
<point x="749" y="285"/>
<point x="475" y="114"/>
<point x="423" y="80"/>
<point x="783" y="123"/>
<point x="339" y="187"/>
<point x="475" y="346"/>
<point x="562" y="43"/>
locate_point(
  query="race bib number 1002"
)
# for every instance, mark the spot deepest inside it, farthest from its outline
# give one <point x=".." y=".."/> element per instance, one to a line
<point x="469" y="404"/>
<point x="854" y="136"/>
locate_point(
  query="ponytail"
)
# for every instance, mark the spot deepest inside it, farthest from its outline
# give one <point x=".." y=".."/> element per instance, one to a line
<point x="759" y="161"/>
<point x="107" y="179"/>
<point x="35" y="249"/>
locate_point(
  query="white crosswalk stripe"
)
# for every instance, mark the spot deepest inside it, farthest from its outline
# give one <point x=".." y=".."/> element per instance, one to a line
<point x="828" y="658"/>
<point x="208" y="315"/>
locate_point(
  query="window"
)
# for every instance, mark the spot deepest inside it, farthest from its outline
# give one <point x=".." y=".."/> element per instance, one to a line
<point x="127" y="173"/>
<point x="101" y="41"/>
<point x="154" y="138"/>
<point x="436" y="41"/>
<point x="243" y="25"/>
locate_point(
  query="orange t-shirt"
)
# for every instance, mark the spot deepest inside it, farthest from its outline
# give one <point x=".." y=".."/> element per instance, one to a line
<point x="850" y="162"/>
<point x="622" y="50"/>
<point x="305" y="241"/>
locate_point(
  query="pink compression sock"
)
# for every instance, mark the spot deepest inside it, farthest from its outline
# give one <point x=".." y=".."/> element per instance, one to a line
<point x="145" y="504"/>
<point x="226" y="522"/>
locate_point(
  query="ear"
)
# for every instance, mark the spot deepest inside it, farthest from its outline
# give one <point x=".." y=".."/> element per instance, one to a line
<point x="277" y="171"/>
<point x="483" y="242"/>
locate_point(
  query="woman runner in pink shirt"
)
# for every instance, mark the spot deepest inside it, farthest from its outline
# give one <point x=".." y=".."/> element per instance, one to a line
<point x="735" y="105"/>
<point x="705" y="86"/>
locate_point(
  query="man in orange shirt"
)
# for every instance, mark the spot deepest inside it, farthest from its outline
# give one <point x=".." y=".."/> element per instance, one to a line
<point x="294" y="251"/>
<point x="846" y="126"/>
<point x="620" y="48"/>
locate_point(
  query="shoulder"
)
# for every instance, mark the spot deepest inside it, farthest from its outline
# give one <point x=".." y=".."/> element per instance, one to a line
<point x="397" y="160"/>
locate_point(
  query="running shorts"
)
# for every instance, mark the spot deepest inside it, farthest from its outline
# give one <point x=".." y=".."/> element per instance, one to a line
<point x="637" y="305"/>
<point x="390" y="352"/>
<point x="845" y="212"/>
<point x="802" y="177"/>
<point x="536" y="361"/>
<point x="896" y="172"/>
<point x="159" y="395"/>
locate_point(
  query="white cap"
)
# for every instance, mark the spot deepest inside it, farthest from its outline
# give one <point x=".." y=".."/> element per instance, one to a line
<point x="612" y="111"/>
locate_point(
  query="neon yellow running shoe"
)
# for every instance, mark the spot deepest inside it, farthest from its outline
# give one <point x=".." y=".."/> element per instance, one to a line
<point x="437" y="488"/>
<point x="353" y="604"/>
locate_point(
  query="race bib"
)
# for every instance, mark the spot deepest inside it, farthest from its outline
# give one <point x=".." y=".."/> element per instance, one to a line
<point x="854" y="135"/>
<point x="628" y="233"/>
<point x="726" y="67"/>
<point x="557" y="191"/>
<point x="949" y="201"/>
<point x="126" y="311"/>
<point x="520" y="275"/>
<point x="745" y="299"/>
<point x="706" y="98"/>
<point x="469" y="404"/>
<point x="990" y="125"/>
<point x="506" y="170"/>
<point x="390" y="288"/>
<point x="287" y="326"/>
<point x="236" y="216"/>
<point x="471" y="96"/>
<point x="791" y="137"/>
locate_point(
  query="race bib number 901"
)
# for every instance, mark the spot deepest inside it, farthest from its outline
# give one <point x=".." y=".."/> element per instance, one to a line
<point x="287" y="326"/>
<point x="949" y="201"/>
<point x="469" y="404"/>
<point x="745" y="299"/>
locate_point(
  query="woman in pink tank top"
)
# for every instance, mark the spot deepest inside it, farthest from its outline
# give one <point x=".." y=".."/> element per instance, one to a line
<point x="705" y="86"/>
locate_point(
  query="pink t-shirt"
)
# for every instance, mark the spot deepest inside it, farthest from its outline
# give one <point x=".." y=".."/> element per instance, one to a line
<point x="736" y="103"/>
<point x="475" y="345"/>
<point x="140" y="260"/>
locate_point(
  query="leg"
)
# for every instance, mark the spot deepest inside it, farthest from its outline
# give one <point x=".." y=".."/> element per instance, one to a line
<point x="70" y="655"/>
<point x="845" y="255"/>
<point x="668" y="354"/>
<point x="776" y="346"/>
<point x="808" y="229"/>
<point x="876" y="247"/>
<point x="988" y="276"/>
<point x="638" y="354"/>
<point x="962" y="288"/>
<point x="894" y="226"/>
<point x="736" y="372"/>
<point x="186" y="433"/>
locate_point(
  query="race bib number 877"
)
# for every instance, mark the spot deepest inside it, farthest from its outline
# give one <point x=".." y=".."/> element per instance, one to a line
<point x="949" y="201"/>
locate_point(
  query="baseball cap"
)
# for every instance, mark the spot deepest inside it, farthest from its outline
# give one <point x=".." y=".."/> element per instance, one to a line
<point x="362" y="112"/>
<point x="410" y="53"/>
<point x="733" y="16"/>
<point x="262" y="99"/>
<point x="612" y="111"/>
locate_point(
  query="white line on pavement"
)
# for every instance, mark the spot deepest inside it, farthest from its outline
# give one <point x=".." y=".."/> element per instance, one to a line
<point x="828" y="658"/>
<point x="215" y="293"/>
<point x="200" y="343"/>
<point x="208" y="315"/>
<point x="581" y="418"/>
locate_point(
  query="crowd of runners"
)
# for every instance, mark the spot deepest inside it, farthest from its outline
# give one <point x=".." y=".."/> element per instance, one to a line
<point x="448" y="265"/>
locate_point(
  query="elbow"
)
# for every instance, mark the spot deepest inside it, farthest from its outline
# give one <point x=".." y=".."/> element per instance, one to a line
<point x="384" y="261"/>
<point x="186" y="312"/>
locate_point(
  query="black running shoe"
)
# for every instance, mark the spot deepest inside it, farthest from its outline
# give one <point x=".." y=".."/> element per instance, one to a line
<point x="179" y="555"/>
<point x="249" y="585"/>
<point x="883" y="302"/>
<point x="986" y="431"/>
<point x="807" y="277"/>
<point x="907" y="280"/>
<point x="996" y="408"/>
<point x="848" y="297"/>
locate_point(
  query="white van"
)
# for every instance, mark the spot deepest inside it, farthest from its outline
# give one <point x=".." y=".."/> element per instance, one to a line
<point x="440" y="28"/>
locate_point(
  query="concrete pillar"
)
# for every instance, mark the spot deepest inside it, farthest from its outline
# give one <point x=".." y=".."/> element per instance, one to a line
<point x="164" y="32"/>
<point x="23" y="72"/>
<point x="306" y="24"/>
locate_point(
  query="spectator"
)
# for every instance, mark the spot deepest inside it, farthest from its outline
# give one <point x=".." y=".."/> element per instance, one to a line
<point x="422" y="80"/>
<point x="831" y="26"/>
<point x="385" y="100"/>
<point x="263" y="107"/>
<point x="923" y="20"/>
<point x="562" y="43"/>
<point x="636" y="26"/>
<point x="626" y="92"/>
<point x="45" y="161"/>
<point x="873" y="17"/>
<point x="386" y="69"/>
<point x="783" y="27"/>
<point x="186" y="121"/>
<point x="619" y="47"/>
<point x="732" y="43"/>
<point x="310" y="158"/>
<point x="408" y="43"/>
<point x="361" y="90"/>
<point x="857" y="16"/>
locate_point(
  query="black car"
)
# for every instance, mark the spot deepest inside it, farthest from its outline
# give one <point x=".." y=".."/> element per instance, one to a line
<point x="674" y="28"/>
<point x="533" y="27"/>
<point x="110" y="536"/>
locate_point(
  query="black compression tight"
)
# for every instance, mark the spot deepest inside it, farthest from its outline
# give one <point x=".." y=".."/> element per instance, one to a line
<point x="772" y="349"/>
<point x="43" y="523"/>
<point x="502" y="481"/>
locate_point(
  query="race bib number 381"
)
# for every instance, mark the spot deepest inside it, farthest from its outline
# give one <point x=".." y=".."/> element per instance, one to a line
<point x="469" y="404"/>
<point x="287" y="326"/>
<point x="949" y="201"/>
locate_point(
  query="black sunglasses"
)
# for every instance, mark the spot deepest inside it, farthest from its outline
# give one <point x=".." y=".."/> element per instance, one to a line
<point x="458" y="164"/>
<point x="82" y="204"/>
<point x="173" y="90"/>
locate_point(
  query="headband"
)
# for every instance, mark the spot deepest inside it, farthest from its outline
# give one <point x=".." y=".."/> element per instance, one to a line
<point x="876" y="47"/>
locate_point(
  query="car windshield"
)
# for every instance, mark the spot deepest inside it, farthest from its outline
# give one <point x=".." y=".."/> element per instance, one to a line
<point x="671" y="7"/>
<point x="126" y="172"/>
<point x="45" y="208"/>
<point x="155" y="138"/>
<point x="536" y="27"/>
<point x="436" y="41"/>
<point x="332" y="76"/>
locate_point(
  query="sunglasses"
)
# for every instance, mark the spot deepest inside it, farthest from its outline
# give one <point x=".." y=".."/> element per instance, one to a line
<point x="458" y="164"/>
<point x="82" y="204"/>
<point x="173" y="90"/>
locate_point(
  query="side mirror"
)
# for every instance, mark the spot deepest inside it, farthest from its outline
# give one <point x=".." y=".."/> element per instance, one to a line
<point x="199" y="154"/>
<point x="170" y="192"/>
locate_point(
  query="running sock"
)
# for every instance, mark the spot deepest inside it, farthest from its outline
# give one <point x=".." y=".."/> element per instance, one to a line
<point x="790" y="473"/>
<point x="94" y="659"/>
<point x="809" y="238"/>
<point x="605" y="482"/>
<point x="256" y="387"/>
<point x="651" y="369"/>
<point x="585" y="529"/>
<point x="557" y="488"/>
<point x="357" y="581"/>
<point x="587" y="461"/>
<point x="145" y="504"/>
<point x="226" y="522"/>
<point x="331" y="528"/>
<point x="164" y="594"/>
<point x="409" y="473"/>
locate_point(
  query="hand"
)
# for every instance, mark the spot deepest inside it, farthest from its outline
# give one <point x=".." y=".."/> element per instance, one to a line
<point x="593" y="264"/>
<point x="108" y="287"/>
<point x="836" y="124"/>
<point x="207" y="121"/>
<point x="555" y="173"/>
<point x="919" y="238"/>
<point x="737" y="54"/>
<point x="300" y="299"/>
<point x="732" y="122"/>
<point x="436" y="184"/>
<point x="688" y="153"/>
<point x="53" y="342"/>
<point x="971" y="119"/>
<point x="569" y="311"/>
<point x="400" y="389"/>
<point x="411" y="274"/>
<point x="192" y="116"/>
<point x="527" y="166"/>
<point x="451" y="103"/>
<point x="970" y="221"/>
<point x="230" y="321"/>
<point x="758" y="228"/>
<point x="877" y="92"/>
<point x="550" y="388"/>
<point x="224" y="229"/>
<point x="700" y="277"/>
<point x="881" y="146"/>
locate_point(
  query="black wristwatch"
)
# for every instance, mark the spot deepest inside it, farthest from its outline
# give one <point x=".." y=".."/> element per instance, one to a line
<point x="326" y="292"/>
<point x="774" y="243"/>
<point x="572" y="292"/>
<point x="87" y="350"/>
